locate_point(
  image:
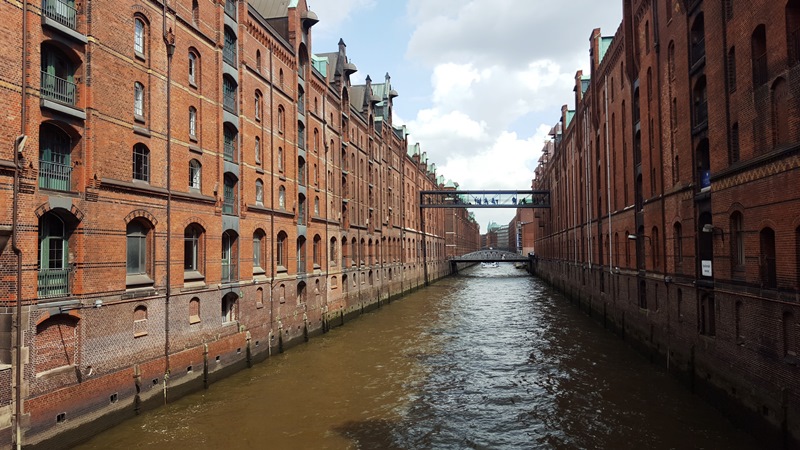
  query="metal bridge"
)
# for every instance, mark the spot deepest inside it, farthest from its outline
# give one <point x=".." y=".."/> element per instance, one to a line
<point x="453" y="198"/>
<point x="491" y="256"/>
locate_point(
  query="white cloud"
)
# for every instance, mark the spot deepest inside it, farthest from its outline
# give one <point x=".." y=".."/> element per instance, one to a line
<point x="334" y="13"/>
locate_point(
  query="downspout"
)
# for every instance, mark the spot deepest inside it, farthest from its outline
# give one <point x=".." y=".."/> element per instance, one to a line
<point x="272" y="198"/>
<point x="19" y="145"/>
<point x="587" y="149"/>
<point x="327" y="243"/>
<point x="608" y="182"/>
<point x="657" y="48"/>
<point x="169" y="44"/>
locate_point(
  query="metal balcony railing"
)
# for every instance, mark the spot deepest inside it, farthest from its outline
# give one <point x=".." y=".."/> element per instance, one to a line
<point x="54" y="283"/>
<point x="59" y="89"/>
<point x="229" y="274"/>
<point x="698" y="51"/>
<point x="700" y="113"/>
<point x="229" y="53"/>
<point x="61" y="12"/>
<point x="54" y="176"/>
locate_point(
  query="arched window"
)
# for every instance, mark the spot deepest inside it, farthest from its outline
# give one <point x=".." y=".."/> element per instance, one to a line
<point x="737" y="241"/>
<point x="655" y="252"/>
<point x="231" y="139"/>
<point x="767" y="260"/>
<point x="280" y="250"/>
<point x="194" y="310"/>
<point x="282" y="198"/>
<point x="700" y="102"/>
<point x="138" y="101"/>
<point x="301" y="171"/>
<point x="193" y="251"/>
<point x="259" y="193"/>
<point x="230" y="307"/>
<point x="230" y="256"/>
<point x="194" y="73"/>
<point x="195" y="172"/>
<point x="257" y="150"/>
<point x="195" y="13"/>
<point x="280" y="159"/>
<point x="301" y="136"/>
<point x="793" y="31"/>
<point x="281" y="120"/>
<point x="192" y="123"/>
<point x="698" y="40"/>
<point x="735" y="149"/>
<point x="258" y="61"/>
<point x="138" y="262"/>
<point x="55" y="165"/>
<point x="731" y="69"/>
<point x="316" y="206"/>
<point x="139" y="37"/>
<point x="301" y="209"/>
<point x="229" y="47"/>
<point x="780" y="112"/>
<point x="703" y="159"/>
<point x="229" y="88"/>
<point x="334" y="246"/>
<point x="677" y="231"/>
<point x="671" y="61"/>
<point x="140" y="321"/>
<point x="229" y="194"/>
<point x="54" y="276"/>
<point x="301" y="254"/>
<point x="58" y="76"/>
<point x="317" y="251"/>
<point x="56" y="343"/>
<point x="258" y="252"/>
<point x="141" y="163"/>
<point x="758" y="45"/>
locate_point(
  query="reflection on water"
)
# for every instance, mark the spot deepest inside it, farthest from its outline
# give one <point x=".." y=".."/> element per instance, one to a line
<point x="491" y="359"/>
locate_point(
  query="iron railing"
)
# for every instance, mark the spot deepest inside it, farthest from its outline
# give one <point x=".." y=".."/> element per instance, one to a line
<point x="229" y="53"/>
<point x="55" y="176"/>
<point x="698" y="51"/>
<point x="54" y="283"/>
<point x="700" y="113"/>
<point x="62" y="12"/>
<point x="59" y="89"/>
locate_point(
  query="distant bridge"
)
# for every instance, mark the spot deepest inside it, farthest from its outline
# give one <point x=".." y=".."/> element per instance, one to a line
<point x="490" y="256"/>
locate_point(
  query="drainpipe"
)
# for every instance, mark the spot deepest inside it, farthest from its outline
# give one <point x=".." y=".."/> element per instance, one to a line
<point x="169" y="43"/>
<point x="19" y="146"/>
<point x="272" y="197"/>
<point x="608" y="183"/>
<point x="326" y="245"/>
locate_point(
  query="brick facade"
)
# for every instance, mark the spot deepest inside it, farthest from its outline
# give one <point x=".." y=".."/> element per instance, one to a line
<point x="675" y="216"/>
<point x="156" y="255"/>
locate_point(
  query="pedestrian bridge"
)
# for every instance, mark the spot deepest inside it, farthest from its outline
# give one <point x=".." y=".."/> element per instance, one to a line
<point x="490" y="256"/>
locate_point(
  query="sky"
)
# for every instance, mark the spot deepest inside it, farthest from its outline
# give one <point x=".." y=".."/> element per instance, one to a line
<point x="481" y="82"/>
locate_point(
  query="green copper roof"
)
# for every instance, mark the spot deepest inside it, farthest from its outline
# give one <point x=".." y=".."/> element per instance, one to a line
<point x="570" y="116"/>
<point x="321" y="64"/>
<point x="605" y="43"/>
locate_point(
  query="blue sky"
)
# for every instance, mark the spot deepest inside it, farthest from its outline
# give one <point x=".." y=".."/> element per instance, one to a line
<point x="481" y="82"/>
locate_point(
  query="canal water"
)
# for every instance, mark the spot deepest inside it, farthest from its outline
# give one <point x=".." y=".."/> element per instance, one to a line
<point x="490" y="359"/>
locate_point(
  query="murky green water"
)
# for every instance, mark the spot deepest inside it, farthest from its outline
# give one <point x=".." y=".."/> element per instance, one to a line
<point x="491" y="359"/>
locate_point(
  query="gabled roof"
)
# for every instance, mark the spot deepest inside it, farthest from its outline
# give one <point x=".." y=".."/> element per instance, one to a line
<point x="271" y="9"/>
<point x="605" y="43"/>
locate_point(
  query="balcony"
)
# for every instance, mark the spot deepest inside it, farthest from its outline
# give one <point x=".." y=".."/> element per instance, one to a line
<point x="54" y="283"/>
<point x="229" y="53"/>
<point x="700" y="114"/>
<point x="698" y="51"/>
<point x="59" y="90"/>
<point x="61" y="12"/>
<point x="229" y="274"/>
<point x="229" y="102"/>
<point x="55" y="176"/>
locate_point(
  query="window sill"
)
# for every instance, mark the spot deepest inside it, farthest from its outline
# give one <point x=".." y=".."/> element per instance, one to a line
<point x="194" y="319"/>
<point x="193" y="84"/>
<point x="195" y="149"/>
<point x="138" y="118"/>
<point x="134" y="282"/>
<point x="193" y="138"/>
<point x="139" y="55"/>
<point x="56" y="371"/>
<point x="139" y="334"/>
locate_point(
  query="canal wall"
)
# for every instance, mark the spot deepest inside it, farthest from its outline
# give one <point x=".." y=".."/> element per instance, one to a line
<point x="737" y="365"/>
<point x="122" y="381"/>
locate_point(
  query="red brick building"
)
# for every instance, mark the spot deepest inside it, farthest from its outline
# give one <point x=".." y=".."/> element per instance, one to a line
<point x="183" y="191"/>
<point x="675" y="209"/>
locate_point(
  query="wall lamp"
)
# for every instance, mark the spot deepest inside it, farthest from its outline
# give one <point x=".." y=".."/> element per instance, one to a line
<point x="709" y="228"/>
<point x="634" y="237"/>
